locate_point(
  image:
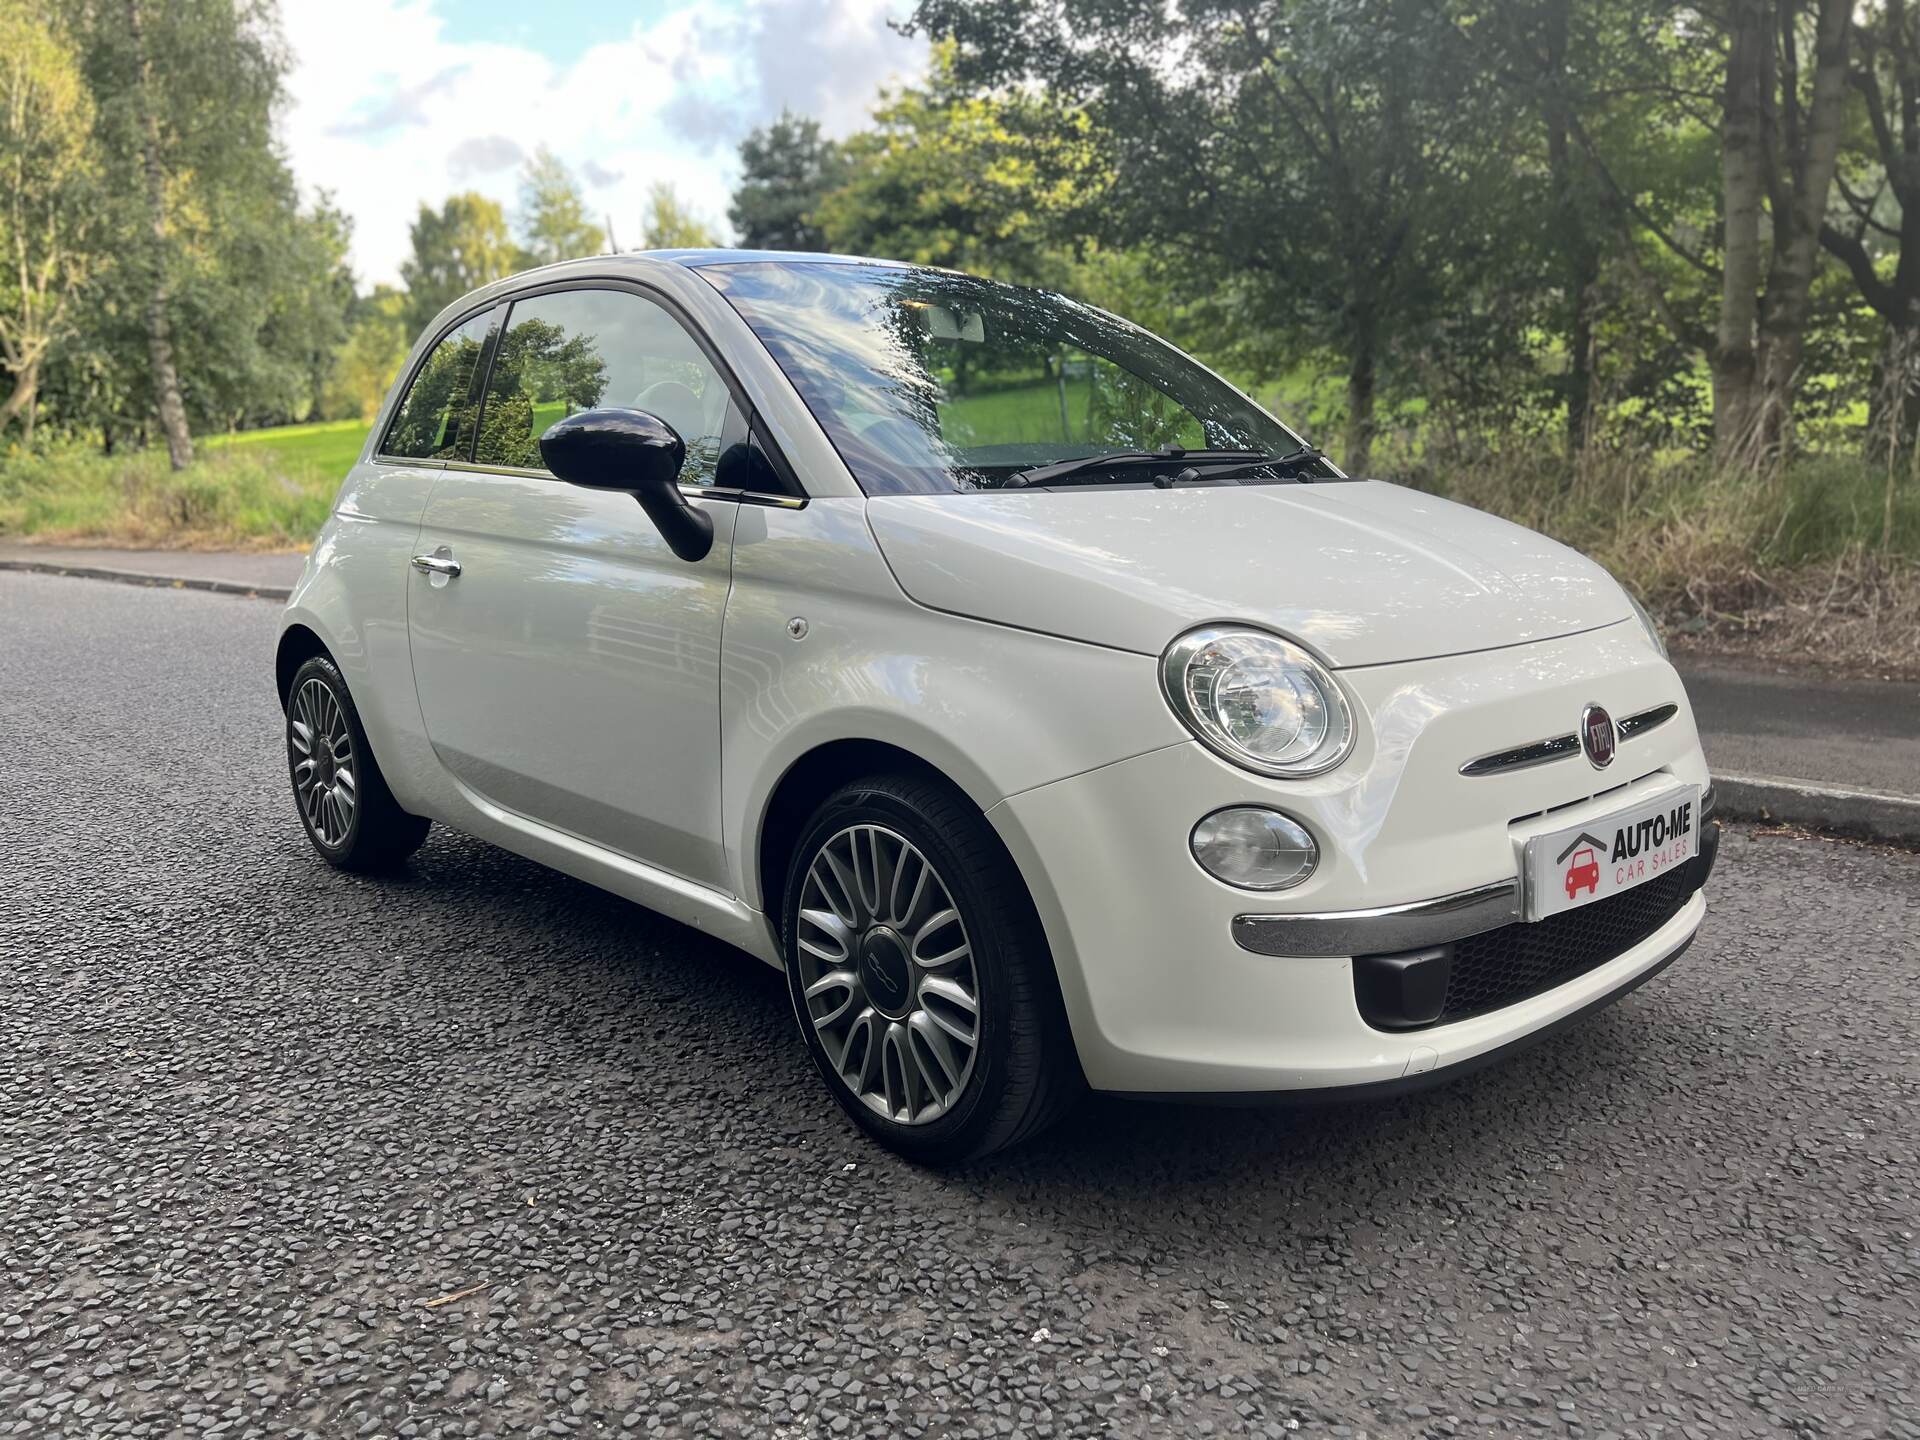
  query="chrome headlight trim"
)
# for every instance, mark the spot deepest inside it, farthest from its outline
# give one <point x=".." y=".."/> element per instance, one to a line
<point x="1176" y="668"/>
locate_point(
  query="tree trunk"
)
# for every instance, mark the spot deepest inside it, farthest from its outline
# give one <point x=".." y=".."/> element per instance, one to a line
<point x="1799" y="212"/>
<point x="1734" y="361"/>
<point x="1360" y="377"/>
<point x="166" y="381"/>
<point x="1893" y="403"/>
<point x="26" y="383"/>
<point x="1580" y="259"/>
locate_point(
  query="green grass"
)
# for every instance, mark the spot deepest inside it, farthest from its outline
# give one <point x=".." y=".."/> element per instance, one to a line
<point x="1024" y="413"/>
<point x="330" y="446"/>
<point x="259" y="489"/>
<point x="231" y="497"/>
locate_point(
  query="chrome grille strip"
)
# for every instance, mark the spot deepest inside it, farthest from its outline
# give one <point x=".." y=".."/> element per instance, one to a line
<point x="1639" y="724"/>
<point x="1541" y="752"/>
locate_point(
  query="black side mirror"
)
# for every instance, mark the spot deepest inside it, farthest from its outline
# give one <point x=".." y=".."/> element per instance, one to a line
<point x="633" y="451"/>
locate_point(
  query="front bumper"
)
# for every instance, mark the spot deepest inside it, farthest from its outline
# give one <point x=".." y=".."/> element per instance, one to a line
<point x="1162" y="992"/>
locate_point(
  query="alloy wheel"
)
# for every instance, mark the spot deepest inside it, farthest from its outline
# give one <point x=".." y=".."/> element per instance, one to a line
<point x="887" y="974"/>
<point x="324" y="774"/>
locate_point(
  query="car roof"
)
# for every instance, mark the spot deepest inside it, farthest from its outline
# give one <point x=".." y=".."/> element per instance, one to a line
<point x="699" y="259"/>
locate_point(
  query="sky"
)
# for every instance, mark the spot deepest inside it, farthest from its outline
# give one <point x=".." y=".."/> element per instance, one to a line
<point x="395" y="102"/>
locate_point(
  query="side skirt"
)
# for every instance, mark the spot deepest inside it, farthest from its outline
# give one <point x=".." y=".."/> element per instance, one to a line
<point x="723" y="916"/>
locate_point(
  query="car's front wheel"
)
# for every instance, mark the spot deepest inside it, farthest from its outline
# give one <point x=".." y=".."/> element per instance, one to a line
<point x="345" y="806"/>
<point x="919" y="974"/>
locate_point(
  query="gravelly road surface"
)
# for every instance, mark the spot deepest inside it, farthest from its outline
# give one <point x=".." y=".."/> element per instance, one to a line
<point x="254" y="1114"/>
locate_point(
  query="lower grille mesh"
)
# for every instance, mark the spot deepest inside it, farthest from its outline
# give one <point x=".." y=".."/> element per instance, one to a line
<point x="1505" y="966"/>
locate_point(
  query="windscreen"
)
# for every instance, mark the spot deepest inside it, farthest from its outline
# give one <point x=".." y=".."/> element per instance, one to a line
<point x="929" y="382"/>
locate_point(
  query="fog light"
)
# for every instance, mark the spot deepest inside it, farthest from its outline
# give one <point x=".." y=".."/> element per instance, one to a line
<point x="1254" y="849"/>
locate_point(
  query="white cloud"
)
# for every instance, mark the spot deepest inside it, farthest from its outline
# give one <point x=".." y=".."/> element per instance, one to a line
<point x="483" y="155"/>
<point x="391" y="107"/>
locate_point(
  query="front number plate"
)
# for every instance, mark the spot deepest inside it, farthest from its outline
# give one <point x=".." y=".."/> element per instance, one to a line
<point x="1584" y="863"/>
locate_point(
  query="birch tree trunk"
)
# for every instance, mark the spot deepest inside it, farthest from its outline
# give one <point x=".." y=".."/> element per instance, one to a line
<point x="166" y="380"/>
<point x="1580" y="259"/>
<point x="1735" y="360"/>
<point x="1799" y="208"/>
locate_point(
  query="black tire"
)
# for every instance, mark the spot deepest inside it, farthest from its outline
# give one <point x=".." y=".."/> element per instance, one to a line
<point x="371" y="834"/>
<point x="1025" y="1074"/>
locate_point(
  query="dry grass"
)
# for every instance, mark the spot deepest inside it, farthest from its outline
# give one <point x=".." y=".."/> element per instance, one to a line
<point x="1861" y="615"/>
<point x="1817" y="561"/>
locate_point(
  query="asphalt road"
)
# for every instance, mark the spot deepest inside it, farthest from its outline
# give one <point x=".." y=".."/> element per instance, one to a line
<point x="255" y="1115"/>
<point x="1856" y="734"/>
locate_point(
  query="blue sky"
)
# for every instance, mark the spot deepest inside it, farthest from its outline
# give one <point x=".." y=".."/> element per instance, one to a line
<point x="562" y="30"/>
<point x="396" y="103"/>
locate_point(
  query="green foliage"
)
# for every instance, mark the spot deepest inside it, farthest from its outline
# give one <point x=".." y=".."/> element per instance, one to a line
<point x="379" y="335"/>
<point x="48" y="169"/>
<point x="437" y="415"/>
<point x="786" y="169"/>
<point x="553" y="217"/>
<point x="256" y="282"/>
<point x="240" y="496"/>
<point x="1314" y="163"/>
<point x="670" y="225"/>
<point x="995" y="184"/>
<point x="459" y="247"/>
<point x="539" y="372"/>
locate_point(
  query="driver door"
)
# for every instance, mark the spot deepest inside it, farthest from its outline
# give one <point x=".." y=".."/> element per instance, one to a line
<point x="569" y="672"/>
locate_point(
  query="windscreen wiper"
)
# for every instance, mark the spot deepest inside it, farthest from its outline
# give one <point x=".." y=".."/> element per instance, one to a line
<point x="1287" y="465"/>
<point x="1089" y="465"/>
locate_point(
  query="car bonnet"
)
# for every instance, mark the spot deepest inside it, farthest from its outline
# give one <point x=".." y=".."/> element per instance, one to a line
<point x="1366" y="573"/>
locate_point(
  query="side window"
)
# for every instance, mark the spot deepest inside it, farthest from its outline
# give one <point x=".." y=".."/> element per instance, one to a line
<point x="435" y="418"/>
<point x="577" y="349"/>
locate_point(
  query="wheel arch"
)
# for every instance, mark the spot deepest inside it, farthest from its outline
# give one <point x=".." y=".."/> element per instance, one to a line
<point x="798" y="792"/>
<point x="298" y="644"/>
<point x="816" y="774"/>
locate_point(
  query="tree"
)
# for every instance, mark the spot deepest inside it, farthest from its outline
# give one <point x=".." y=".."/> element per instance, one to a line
<point x="1560" y="68"/>
<point x="47" y="166"/>
<point x="459" y="247"/>
<point x="670" y="225"/>
<point x="1776" y="123"/>
<point x="553" y="217"/>
<point x="245" y="287"/>
<point x="378" y="338"/>
<point x="997" y="184"/>
<point x="786" y="169"/>
<point x="166" y="382"/>
<point x="1780" y="141"/>
<point x="1314" y="158"/>
<point x="1873" y="228"/>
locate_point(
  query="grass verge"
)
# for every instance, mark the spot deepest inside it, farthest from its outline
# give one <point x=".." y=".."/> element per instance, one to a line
<point x="1817" y="561"/>
<point x="1820" y="560"/>
<point x="233" y="497"/>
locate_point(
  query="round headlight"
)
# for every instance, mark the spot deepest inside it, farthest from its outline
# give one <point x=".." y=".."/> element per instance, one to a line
<point x="1254" y="849"/>
<point x="1257" y="700"/>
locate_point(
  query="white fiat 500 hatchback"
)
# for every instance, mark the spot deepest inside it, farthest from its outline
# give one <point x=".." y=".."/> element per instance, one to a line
<point x="1052" y="714"/>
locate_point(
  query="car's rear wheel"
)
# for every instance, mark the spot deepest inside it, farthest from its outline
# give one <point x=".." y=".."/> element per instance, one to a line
<point x="919" y="974"/>
<point x="345" y="806"/>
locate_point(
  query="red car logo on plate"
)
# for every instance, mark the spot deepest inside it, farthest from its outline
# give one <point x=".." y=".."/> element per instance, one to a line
<point x="1583" y="874"/>
<point x="1597" y="736"/>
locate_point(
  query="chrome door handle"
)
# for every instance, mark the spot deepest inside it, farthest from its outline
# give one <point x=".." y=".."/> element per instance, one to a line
<point x="437" y="564"/>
